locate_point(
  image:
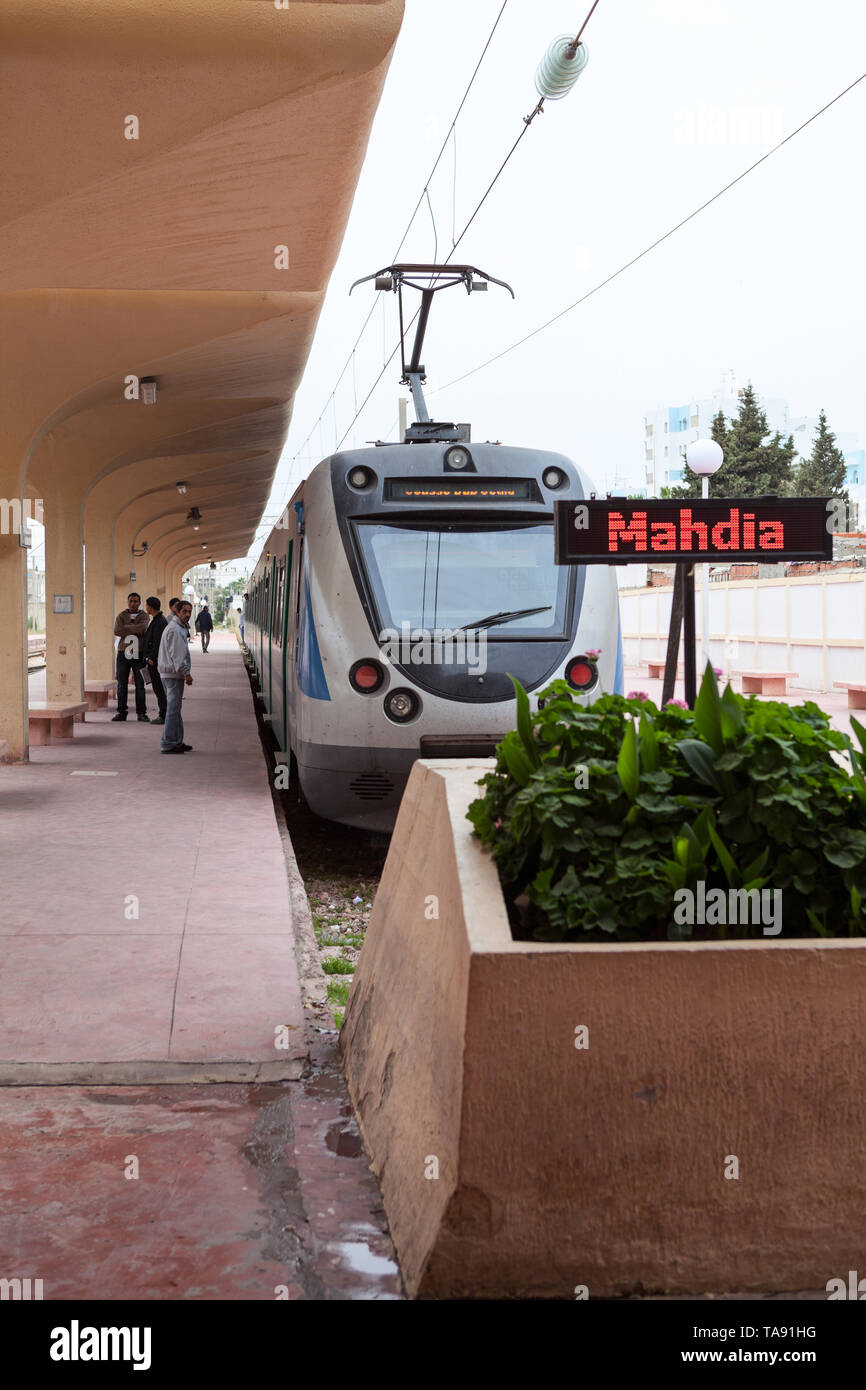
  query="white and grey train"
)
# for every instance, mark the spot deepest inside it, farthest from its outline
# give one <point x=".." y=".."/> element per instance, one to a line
<point x="401" y="588"/>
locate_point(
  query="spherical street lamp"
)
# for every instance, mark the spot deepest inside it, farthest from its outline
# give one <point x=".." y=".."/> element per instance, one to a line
<point x="704" y="457"/>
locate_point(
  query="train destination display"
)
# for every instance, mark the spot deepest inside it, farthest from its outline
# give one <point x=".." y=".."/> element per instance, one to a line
<point x="473" y="489"/>
<point x="616" y="530"/>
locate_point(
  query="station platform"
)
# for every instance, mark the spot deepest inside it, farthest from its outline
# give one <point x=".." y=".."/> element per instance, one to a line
<point x="145" y="916"/>
<point x="834" y="703"/>
<point x="154" y="1142"/>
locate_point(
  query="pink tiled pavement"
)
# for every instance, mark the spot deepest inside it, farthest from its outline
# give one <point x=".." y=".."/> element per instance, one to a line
<point x="145" y="922"/>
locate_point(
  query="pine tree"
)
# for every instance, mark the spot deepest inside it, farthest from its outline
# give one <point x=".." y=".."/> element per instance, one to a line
<point x="751" y="467"/>
<point x="823" y="473"/>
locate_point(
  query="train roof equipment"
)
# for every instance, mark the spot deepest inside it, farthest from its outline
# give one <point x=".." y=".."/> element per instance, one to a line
<point x="428" y="279"/>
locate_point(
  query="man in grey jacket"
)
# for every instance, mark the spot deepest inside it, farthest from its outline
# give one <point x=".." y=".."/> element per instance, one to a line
<point x="173" y="665"/>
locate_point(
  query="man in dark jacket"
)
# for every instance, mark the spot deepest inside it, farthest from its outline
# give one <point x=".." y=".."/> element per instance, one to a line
<point x="150" y="648"/>
<point x="130" y="626"/>
<point x="204" y="626"/>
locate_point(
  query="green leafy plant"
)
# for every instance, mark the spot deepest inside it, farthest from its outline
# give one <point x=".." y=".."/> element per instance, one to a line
<point x="740" y="793"/>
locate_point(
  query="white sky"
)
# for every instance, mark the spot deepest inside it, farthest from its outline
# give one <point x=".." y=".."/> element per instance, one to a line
<point x="679" y="97"/>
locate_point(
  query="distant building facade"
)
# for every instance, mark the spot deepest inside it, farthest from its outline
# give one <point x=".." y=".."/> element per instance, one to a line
<point x="668" y="431"/>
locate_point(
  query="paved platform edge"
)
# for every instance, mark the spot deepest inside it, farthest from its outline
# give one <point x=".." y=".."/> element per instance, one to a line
<point x="135" y="1073"/>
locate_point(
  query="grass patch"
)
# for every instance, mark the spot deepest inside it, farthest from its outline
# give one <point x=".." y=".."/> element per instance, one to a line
<point x="338" y="1017"/>
<point x="336" y="966"/>
<point x="338" y="992"/>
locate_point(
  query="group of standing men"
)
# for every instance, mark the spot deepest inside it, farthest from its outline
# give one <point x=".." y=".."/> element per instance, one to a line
<point x="155" y="649"/>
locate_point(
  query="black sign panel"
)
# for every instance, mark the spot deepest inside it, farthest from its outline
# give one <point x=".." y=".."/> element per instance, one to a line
<point x="472" y="488"/>
<point x="618" y="530"/>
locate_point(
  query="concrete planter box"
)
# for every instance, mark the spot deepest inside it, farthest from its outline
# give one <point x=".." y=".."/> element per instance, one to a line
<point x="602" y="1166"/>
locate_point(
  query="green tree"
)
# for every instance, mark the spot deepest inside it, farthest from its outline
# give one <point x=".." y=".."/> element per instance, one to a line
<point x="753" y="465"/>
<point x="823" y="473"/>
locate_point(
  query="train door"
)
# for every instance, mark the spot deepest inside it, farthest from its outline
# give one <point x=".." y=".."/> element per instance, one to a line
<point x="278" y="693"/>
<point x="294" y="608"/>
<point x="284" y="642"/>
<point x="267" y="624"/>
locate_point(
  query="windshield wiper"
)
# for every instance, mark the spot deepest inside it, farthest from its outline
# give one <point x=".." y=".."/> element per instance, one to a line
<point x="508" y="617"/>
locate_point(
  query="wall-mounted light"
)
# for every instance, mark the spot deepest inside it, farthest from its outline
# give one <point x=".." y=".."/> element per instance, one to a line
<point x="204" y="545"/>
<point x="194" y="517"/>
<point x="148" y="390"/>
<point x="181" y="487"/>
<point x="145" y="546"/>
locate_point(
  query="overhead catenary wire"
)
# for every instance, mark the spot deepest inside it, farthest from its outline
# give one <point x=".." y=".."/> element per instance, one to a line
<point x="652" y="246"/>
<point x="424" y="194"/>
<point x="527" y="121"/>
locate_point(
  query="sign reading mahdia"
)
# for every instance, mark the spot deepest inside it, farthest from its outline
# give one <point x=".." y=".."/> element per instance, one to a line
<point x="617" y="530"/>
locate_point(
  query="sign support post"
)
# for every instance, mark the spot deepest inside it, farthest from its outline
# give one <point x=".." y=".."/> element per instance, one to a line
<point x="689" y="647"/>
<point x="673" y="651"/>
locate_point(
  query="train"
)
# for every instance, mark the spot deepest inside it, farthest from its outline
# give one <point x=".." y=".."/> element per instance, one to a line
<point x="401" y="588"/>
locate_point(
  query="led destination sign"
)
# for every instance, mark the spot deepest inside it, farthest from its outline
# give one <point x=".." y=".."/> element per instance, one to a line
<point x="464" y="489"/>
<point x="726" y="529"/>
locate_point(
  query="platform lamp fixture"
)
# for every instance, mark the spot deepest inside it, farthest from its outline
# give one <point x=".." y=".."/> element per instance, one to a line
<point x="148" y="389"/>
<point x="193" y="516"/>
<point x="705" y="457"/>
<point x="181" y="487"/>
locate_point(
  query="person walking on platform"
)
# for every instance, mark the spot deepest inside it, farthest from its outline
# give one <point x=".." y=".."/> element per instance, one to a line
<point x="173" y="665"/>
<point x="130" y="626"/>
<point x="150" y="648"/>
<point x="204" y="626"/>
<point x="172" y="603"/>
<point x="241" y="622"/>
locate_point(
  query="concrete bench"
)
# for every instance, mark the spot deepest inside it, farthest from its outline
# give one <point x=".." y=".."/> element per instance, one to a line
<point x="657" y="669"/>
<point x="52" y="721"/>
<point x="97" y="693"/>
<point x="856" y="693"/>
<point x="765" y="682"/>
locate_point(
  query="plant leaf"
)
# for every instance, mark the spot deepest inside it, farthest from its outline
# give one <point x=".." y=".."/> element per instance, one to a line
<point x="627" y="762"/>
<point x="649" y="744"/>
<point x="725" y="857"/>
<point x="731" y="716"/>
<point x="524" y="723"/>
<point x="701" y="760"/>
<point x="708" y="712"/>
<point x="516" y="761"/>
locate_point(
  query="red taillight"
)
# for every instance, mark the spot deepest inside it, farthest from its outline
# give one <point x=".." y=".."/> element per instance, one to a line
<point x="580" y="673"/>
<point x="366" y="677"/>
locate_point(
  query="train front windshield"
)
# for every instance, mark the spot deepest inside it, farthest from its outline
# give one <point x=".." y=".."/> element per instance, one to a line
<point x="451" y="576"/>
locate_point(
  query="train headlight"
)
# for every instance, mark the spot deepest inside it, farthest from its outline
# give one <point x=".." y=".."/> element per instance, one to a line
<point x="553" y="478"/>
<point x="402" y="705"/>
<point x="360" y="478"/>
<point x="366" y="677"/>
<point x="581" y="673"/>
<point x="457" y="458"/>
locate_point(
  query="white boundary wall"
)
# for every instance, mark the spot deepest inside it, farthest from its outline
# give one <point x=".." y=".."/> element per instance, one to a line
<point x="813" y="624"/>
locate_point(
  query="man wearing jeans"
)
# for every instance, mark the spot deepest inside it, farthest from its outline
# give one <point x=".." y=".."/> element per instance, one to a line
<point x="130" y="626"/>
<point x="173" y="665"/>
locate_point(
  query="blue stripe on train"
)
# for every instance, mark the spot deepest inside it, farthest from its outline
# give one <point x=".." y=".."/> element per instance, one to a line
<point x="619" y="676"/>
<point x="311" y="672"/>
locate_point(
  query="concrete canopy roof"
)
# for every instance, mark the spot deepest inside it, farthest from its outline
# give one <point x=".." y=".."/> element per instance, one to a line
<point x="155" y="256"/>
